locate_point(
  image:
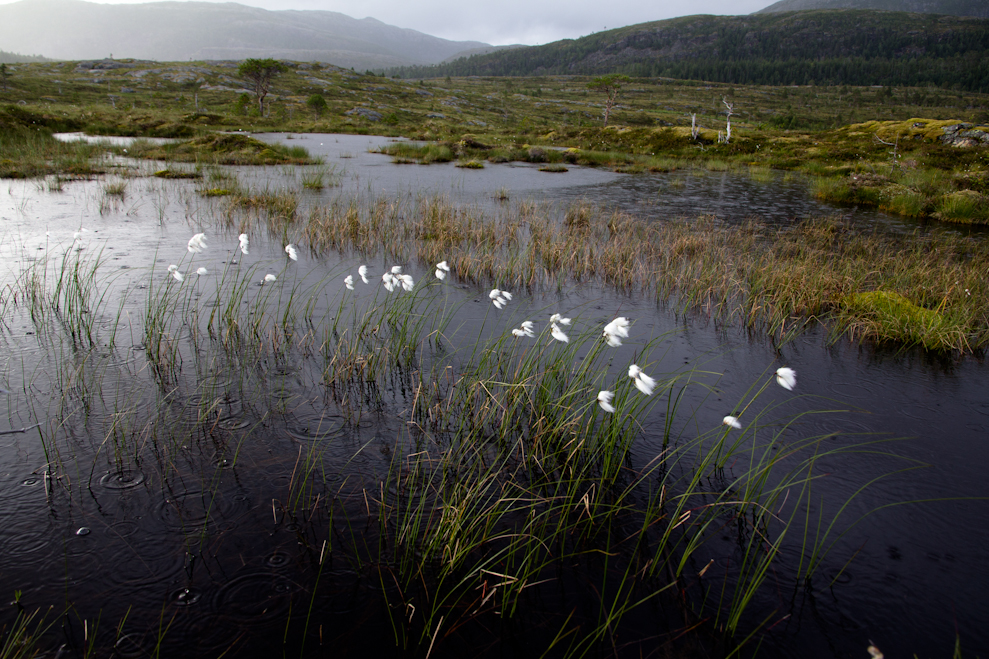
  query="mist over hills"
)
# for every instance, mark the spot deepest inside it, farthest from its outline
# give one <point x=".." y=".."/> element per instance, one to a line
<point x="838" y="46"/>
<point x="977" y="8"/>
<point x="180" y="31"/>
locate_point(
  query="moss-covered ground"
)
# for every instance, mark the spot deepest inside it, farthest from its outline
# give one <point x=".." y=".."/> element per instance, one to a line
<point x="878" y="146"/>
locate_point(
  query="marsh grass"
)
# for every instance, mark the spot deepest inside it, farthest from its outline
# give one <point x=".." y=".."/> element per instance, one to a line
<point x="221" y="149"/>
<point x="115" y="189"/>
<point x="22" y="640"/>
<point x="318" y="178"/>
<point x="764" y="277"/>
<point x="965" y="207"/>
<point x="422" y="154"/>
<point x="278" y="207"/>
<point x="506" y="482"/>
<point x="28" y="153"/>
<point x="178" y="173"/>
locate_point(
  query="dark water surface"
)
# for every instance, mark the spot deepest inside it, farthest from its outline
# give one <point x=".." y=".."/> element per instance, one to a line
<point x="176" y="502"/>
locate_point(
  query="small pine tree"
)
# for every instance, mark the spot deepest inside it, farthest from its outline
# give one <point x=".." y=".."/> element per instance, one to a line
<point x="317" y="104"/>
<point x="260" y="72"/>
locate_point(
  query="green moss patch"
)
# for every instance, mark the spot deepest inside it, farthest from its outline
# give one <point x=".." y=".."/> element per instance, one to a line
<point x="889" y="316"/>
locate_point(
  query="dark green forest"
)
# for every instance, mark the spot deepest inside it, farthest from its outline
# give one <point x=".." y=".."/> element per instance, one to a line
<point x="837" y="47"/>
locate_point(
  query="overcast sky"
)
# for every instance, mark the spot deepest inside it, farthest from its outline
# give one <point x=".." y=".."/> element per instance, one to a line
<point x="513" y="21"/>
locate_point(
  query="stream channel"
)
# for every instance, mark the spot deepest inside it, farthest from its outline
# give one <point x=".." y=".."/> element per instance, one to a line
<point x="156" y="505"/>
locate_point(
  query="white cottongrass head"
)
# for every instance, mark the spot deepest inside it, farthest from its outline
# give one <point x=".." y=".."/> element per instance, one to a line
<point x="731" y="422"/>
<point x="202" y="271"/>
<point x="173" y="268"/>
<point x="616" y="330"/>
<point x="197" y="243"/>
<point x="243" y="243"/>
<point x="559" y="334"/>
<point x="389" y="281"/>
<point x="557" y="319"/>
<point x="268" y="278"/>
<point x="292" y="252"/>
<point x="499" y="298"/>
<point x="642" y="382"/>
<point x="527" y="329"/>
<point x="786" y="377"/>
<point x="396" y="269"/>
<point x="442" y="268"/>
<point x="406" y="281"/>
<point x="178" y="276"/>
<point x="604" y="400"/>
<point x="362" y="271"/>
<point x="349" y="282"/>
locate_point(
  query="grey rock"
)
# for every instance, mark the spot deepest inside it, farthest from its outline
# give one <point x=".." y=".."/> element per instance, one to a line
<point x="365" y="113"/>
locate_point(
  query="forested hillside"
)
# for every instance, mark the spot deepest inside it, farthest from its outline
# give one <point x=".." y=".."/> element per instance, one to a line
<point x="978" y="8"/>
<point x="853" y="47"/>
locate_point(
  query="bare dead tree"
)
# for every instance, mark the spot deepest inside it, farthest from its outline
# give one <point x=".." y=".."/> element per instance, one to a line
<point x="731" y="111"/>
<point x="894" y="154"/>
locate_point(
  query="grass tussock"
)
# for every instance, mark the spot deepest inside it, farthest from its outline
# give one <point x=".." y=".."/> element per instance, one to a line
<point x="223" y="149"/>
<point x="889" y="316"/>
<point x="176" y="173"/>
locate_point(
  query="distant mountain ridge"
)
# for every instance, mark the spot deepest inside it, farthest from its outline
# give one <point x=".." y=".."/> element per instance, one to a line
<point x="976" y="8"/>
<point x="180" y="31"/>
<point x="839" y="46"/>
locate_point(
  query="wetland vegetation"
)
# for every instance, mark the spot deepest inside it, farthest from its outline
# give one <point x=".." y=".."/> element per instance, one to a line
<point x="476" y="471"/>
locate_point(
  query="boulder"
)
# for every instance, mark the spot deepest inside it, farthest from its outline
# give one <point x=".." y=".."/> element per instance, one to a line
<point x="364" y="113"/>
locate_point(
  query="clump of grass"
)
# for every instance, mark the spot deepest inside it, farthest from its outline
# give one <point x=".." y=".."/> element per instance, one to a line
<point x="906" y="202"/>
<point x="216" y="192"/>
<point x="224" y="149"/>
<point x="761" y="174"/>
<point x="664" y="165"/>
<point x="470" y="164"/>
<point x="965" y="207"/>
<point x="889" y="316"/>
<point x="26" y="153"/>
<point x="716" y="165"/>
<point x="176" y="173"/>
<point x="318" y="178"/>
<point x="424" y="154"/>
<point x="54" y="183"/>
<point x="115" y="189"/>
<point x="554" y="168"/>
<point x="846" y="191"/>
<point x="278" y="207"/>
